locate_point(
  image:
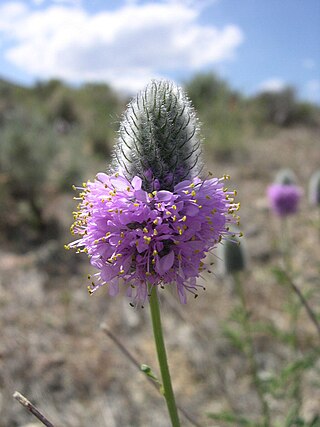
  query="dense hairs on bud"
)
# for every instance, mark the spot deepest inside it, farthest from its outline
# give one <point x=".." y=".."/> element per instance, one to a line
<point x="159" y="138"/>
<point x="314" y="189"/>
<point x="286" y="177"/>
<point x="232" y="255"/>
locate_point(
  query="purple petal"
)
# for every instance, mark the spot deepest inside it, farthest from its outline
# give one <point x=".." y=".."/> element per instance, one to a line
<point x="136" y="183"/>
<point x="141" y="195"/>
<point x="164" y="196"/>
<point x="103" y="177"/>
<point x="165" y="263"/>
<point x="192" y="210"/>
<point x="119" y="182"/>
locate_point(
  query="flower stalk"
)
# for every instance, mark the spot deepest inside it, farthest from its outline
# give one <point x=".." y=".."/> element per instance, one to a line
<point x="162" y="357"/>
<point x="251" y="352"/>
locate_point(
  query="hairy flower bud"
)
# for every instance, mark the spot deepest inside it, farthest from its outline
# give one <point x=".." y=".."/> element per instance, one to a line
<point x="233" y="255"/>
<point x="285" y="177"/>
<point x="314" y="189"/>
<point x="159" y="138"/>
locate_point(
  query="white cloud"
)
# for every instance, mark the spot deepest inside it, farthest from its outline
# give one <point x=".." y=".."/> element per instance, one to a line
<point x="272" y="85"/>
<point x="125" y="47"/>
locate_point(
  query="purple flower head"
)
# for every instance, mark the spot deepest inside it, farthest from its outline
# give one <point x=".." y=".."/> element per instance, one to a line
<point x="284" y="199"/>
<point x="152" y="220"/>
<point x="135" y="238"/>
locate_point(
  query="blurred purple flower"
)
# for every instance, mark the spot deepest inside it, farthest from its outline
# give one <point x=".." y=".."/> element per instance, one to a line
<point x="284" y="199"/>
<point x="134" y="237"/>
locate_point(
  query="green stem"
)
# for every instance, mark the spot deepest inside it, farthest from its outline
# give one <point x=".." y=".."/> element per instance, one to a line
<point x="251" y="352"/>
<point x="162" y="357"/>
<point x="294" y="312"/>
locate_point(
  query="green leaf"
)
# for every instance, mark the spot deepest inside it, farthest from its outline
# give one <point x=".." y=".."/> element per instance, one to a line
<point x="230" y="417"/>
<point x="235" y="337"/>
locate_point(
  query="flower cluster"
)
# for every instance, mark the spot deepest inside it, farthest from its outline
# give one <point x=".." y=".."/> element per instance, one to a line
<point x="137" y="238"/>
<point x="284" y="199"/>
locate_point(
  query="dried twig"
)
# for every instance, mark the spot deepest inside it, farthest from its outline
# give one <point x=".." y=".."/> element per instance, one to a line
<point x="133" y="360"/>
<point x="31" y="408"/>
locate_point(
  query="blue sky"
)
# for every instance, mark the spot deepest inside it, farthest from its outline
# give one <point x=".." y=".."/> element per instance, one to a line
<point x="253" y="44"/>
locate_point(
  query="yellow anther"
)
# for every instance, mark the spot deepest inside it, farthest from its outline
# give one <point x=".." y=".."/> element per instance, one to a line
<point x="192" y="185"/>
<point x="147" y="239"/>
<point x="213" y="211"/>
<point x="122" y="234"/>
<point x="185" y="227"/>
<point x="208" y="197"/>
<point x="179" y="257"/>
<point x="148" y="273"/>
<point x="168" y="213"/>
<point x="174" y="218"/>
<point x="121" y="272"/>
<point x="186" y="191"/>
<point x="193" y="193"/>
<point x="156" y="221"/>
<point x="153" y="261"/>
<point x="154" y="193"/>
<point x="226" y="177"/>
<point x="196" y="251"/>
<point x="174" y="207"/>
<point x="128" y="188"/>
<point x="136" y="204"/>
<point x="155" y="233"/>
<point x="150" y="195"/>
<point x="67" y="247"/>
<point x="116" y="174"/>
<point x="225" y="189"/>
<point x="155" y="252"/>
<point x="108" y="233"/>
<point x="145" y="230"/>
<point x="184" y="218"/>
